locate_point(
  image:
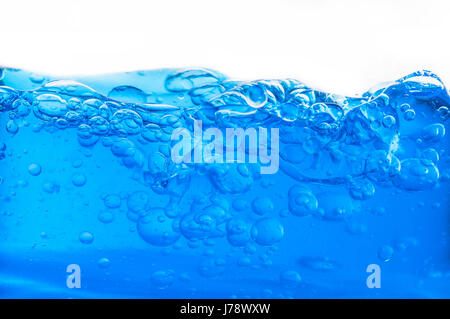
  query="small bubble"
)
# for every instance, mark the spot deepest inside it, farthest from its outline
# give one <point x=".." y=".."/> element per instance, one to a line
<point x="112" y="201"/>
<point x="138" y="201"/>
<point x="157" y="231"/>
<point x="302" y="201"/>
<point x="50" y="187"/>
<point x="267" y="231"/>
<point x="34" y="169"/>
<point x="103" y="262"/>
<point x="105" y="217"/>
<point x="262" y="205"/>
<point x="385" y="253"/>
<point x="443" y="112"/>
<point x="12" y="127"/>
<point x="163" y="279"/>
<point x="404" y="107"/>
<point x="388" y="121"/>
<point x="409" y="115"/>
<point x="86" y="237"/>
<point x="78" y="179"/>
<point x="77" y="163"/>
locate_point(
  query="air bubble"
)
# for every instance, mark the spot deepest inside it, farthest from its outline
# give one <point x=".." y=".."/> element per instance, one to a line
<point x="267" y="232"/>
<point x="385" y="253"/>
<point x="409" y="115"/>
<point x="105" y="217"/>
<point x="103" y="263"/>
<point x="137" y="202"/>
<point x="433" y="133"/>
<point x="262" y="206"/>
<point x="156" y="229"/>
<point x="112" y="201"/>
<point x="302" y="201"/>
<point x="162" y="279"/>
<point x="126" y="122"/>
<point x="86" y="237"/>
<point x="34" y="169"/>
<point x="78" y="179"/>
<point x="388" y="121"/>
<point x="12" y="127"/>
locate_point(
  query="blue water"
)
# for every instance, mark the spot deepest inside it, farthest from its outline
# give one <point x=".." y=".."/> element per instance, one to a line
<point x="86" y="178"/>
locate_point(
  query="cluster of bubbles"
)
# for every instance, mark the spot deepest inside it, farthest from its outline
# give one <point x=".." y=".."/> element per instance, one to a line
<point x="324" y="139"/>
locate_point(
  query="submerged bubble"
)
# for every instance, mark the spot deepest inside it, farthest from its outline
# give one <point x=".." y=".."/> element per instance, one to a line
<point x="86" y="237"/>
<point x="238" y="232"/>
<point x="262" y="205"/>
<point x="126" y="122"/>
<point x="388" y="121"/>
<point x="385" y="253"/>
<point x="417" y="174"/>
<point x="203" y="223"/>
<point x="112" y="201"/>
<point x="361" y="189"/>
<point x="103" y="262"/>
<point x="78" y="179"/>
<point x="443" y="112"/>
<point x="409" y="115"/>
<point x="34" y="169"/>
<point x="50" y="187"/>
<point x="12" y="127"/>
<point x="105" y="217"/>
<point x="163" y="279"/>
<point x="22" y="107"/>
<point x="382" y="166"/>
<point x="77" y="163"/>
<point x="49" y="105"/>
<point x="267" y="232"/>
<point x="152" y="132"/>
<point x="137" y="201"/>
<point x="302" y="201"/>
<point x="156" y="229"/>
<point x="123" y="147"/>
<point x="433" y="133"/>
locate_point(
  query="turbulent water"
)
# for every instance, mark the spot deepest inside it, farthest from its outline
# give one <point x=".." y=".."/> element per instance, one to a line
<point x="87" y="178"/>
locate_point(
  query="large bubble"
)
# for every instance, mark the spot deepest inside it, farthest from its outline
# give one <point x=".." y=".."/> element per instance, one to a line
<point x="302" y="201"/>
<point x="417" y="174"/>
<point x="267" y="231"/>
<point x="156" y="228"/>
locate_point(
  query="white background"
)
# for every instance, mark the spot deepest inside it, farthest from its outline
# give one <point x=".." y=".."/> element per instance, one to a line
<point x="341" y="46"/>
